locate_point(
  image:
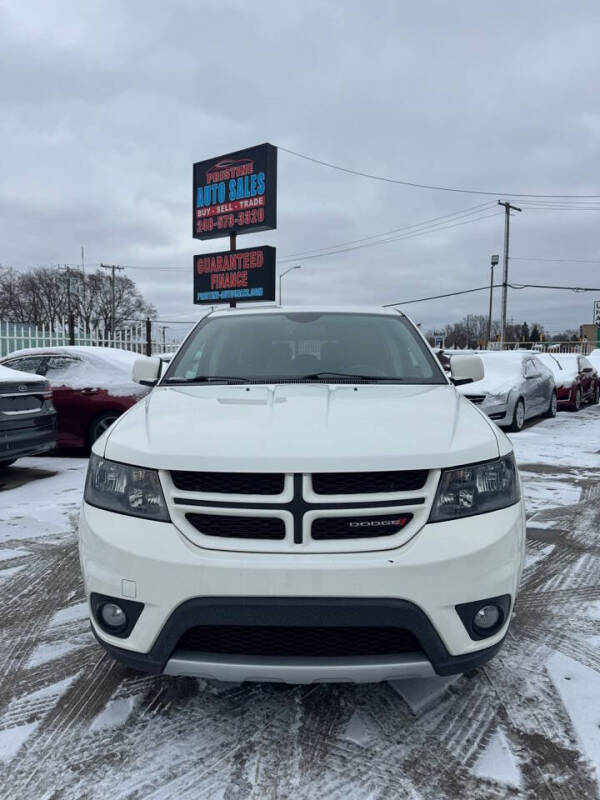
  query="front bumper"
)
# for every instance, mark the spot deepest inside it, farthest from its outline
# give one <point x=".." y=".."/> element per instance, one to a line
<point x="416" y="586"/>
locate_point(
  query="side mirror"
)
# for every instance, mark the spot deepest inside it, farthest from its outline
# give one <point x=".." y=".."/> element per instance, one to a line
<point x="466" y="369"/>
<point x="146" y="371"/>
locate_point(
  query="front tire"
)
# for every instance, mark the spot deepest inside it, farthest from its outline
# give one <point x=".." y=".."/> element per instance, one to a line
<point x="553" y="407"/>
<point x="100" y="424"/>
<point x="518" y="419"/>
<point x="596" y="395"/>
<point x="577" y="403"/>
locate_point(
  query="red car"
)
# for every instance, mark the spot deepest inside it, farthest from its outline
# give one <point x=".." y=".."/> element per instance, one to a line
<point x="577" y="381"/>
<point x="91" y="387"/>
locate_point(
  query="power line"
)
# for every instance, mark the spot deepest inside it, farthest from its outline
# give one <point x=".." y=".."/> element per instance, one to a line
<point x="462" y="212"/>
<point x="556" y="260"/>
<point x="496" y="286"/>
<point x="431" y="187"/>
<point x="426" y="227"/>
<point x="432" y="229"/>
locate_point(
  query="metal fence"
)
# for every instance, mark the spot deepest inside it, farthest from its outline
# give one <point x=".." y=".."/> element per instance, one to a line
<point x="546" y="347"/>
<point x="139" y="338"/>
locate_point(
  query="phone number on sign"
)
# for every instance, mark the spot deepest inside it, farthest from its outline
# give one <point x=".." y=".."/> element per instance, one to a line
<point x="227" y="221"/>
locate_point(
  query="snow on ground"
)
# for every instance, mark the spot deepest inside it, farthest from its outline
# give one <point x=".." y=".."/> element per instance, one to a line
<point x="44" y="495"/>
<point x="74" y="724"/>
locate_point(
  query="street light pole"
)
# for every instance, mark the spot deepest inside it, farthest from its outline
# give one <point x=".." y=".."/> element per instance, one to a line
<point x="494" y="261"/>
<point x="297" y="266"/>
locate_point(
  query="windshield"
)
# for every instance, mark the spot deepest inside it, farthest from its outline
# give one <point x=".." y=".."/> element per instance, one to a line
<point x="329" y="346"/>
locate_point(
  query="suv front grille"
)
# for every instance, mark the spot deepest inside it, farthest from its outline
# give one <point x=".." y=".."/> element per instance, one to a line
<point x="238" y="527"/>
<point x="368" y="482"/>
<point x="327" y="528"/>
<point x="264" y="640"/>
<point x="475" y="398"/>
<point x="229" y="482"/>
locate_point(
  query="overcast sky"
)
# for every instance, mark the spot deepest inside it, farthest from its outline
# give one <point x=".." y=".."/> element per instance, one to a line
<point x="105" y="106"/>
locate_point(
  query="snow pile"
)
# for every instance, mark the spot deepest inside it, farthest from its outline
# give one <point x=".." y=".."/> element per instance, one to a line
<point x="579" y="689"/>
<point x="497" y="762"/>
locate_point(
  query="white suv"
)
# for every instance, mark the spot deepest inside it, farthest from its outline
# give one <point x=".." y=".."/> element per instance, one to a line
<point x="304" y="496"/>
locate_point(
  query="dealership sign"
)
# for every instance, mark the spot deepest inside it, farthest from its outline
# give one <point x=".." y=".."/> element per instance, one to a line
<point x="235" y="275"/>
<point x="236" y="193"/>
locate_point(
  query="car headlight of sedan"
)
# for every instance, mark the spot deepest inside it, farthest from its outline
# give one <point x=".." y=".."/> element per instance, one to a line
<point x="125" y="489"/>
<point x="498" y="399"/>
<point x="476" y="489"/>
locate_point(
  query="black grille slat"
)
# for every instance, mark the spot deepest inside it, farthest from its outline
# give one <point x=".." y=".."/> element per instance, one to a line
<point x="368" y="482"/>
<point x="265" y="640"/>
<point x="272" y="528"/>
<point x="229" y="482"/>
<point x="475" y="398"/>
<point x="328" y="528"/>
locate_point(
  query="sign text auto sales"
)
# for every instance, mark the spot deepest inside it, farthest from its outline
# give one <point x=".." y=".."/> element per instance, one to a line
<point x="236" y="193"/>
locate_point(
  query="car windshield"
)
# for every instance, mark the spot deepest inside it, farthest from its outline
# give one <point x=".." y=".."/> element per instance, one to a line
<point x="327" y="346"/>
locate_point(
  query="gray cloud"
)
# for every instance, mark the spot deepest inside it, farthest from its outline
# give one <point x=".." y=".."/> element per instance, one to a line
<point x="106" y="106"/>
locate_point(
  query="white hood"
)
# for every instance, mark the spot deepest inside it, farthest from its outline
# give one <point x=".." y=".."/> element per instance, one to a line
<point x="301" y="428"/>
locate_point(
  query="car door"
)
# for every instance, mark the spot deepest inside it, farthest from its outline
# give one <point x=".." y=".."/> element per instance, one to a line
<point x="534" y="388"/>
<point x="546" y="383"/>
<point x="586" y="374"/>
<point x="66" y="398"/>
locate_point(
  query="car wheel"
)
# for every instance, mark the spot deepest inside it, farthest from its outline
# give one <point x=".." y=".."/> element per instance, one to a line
<point x="596" y="394"/>
<point x="552" y="408"/>
<point x="4" y="464"/>
<point x="518" y="419"/>
<point x="101" y="424"/>
<point x="576" y="404"/>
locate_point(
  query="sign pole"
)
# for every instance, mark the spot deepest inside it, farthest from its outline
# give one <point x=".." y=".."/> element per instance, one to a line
<point x="233" y="248"/>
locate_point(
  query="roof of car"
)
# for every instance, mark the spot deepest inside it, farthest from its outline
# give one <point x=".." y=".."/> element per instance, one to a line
<point x="326" y="309"/>
<point x="73" y="350"/>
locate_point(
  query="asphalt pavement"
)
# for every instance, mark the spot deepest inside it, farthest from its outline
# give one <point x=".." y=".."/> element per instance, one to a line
<point x="75" y="725"/>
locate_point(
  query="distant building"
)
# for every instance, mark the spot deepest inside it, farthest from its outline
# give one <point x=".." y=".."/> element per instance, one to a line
<point x="590" y="333"/>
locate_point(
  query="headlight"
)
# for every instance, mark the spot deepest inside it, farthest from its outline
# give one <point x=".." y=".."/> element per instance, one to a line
<point x="497" y="398"/>
<point x="125" y="489"/>
<point x="476" y="489"/>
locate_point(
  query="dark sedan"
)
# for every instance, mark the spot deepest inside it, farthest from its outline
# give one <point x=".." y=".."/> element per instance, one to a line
<point x="91" y="387"/>
<point x="27" y="416"/>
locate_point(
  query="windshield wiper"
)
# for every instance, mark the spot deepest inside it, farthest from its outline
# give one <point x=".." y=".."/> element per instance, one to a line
<point x="317" y="376"/>
<point x="209" y="379"/>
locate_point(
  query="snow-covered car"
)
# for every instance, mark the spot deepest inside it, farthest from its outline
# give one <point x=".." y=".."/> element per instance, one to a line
<point x="594" y="359"/>
<point x="577" y="381"/>
<point x="91" y="387"/>
<point x="27" y="416"/>
<point x="303" y="496"/>
<point x="517" y="386"/>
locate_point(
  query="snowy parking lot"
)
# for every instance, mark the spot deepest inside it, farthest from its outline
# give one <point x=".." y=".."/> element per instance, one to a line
<point x="73" y="724"/>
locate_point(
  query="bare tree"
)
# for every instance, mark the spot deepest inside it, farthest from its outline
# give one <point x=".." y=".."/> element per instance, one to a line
<point x="44" y="296"/>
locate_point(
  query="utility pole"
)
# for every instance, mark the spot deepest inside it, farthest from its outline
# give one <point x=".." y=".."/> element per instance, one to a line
<point x="112" y="268"/>
<point x="84" y="310"/>
<point x="493" y="263"/>
<point x="507" y="209"/>
<point x="70" y="316"/>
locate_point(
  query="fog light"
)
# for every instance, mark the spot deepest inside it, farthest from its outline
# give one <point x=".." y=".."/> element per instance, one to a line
<point x="486" y="618"/>
<point x="113" y="616"/>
